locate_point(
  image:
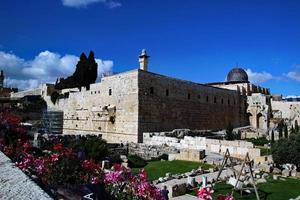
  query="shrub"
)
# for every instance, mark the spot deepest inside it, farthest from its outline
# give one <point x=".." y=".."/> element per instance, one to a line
<point x="287" y="150"/>
<point x="258" y="141"/>
<point x="95" y="148"/>
<point x="135" y="161"/>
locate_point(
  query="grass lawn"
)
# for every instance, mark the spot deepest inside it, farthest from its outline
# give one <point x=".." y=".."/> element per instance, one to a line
<point x="265" y="151"/>
<point x="272" y="190"/>
<point x="156" y="169"/>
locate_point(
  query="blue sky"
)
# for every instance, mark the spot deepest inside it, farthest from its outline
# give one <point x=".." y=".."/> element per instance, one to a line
<point x="193" y="39"/>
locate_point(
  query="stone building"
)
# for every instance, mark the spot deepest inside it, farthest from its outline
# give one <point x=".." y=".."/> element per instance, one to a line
<point x="123" y="106"/>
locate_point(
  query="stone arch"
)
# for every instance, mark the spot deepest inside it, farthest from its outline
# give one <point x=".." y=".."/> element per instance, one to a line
<point x="260" y="120"/>
<point x="250" y="118"/>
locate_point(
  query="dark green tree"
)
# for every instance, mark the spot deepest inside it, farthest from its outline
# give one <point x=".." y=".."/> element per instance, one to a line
<point x="296" y="127"/>
<point x="286" y="132"/>
<point x="293" y="130"/>
<point x="280" y="129"/>
<point x="84" y="75"/>
<point x="272" y="137"/>
<point x="229" y="132"/>
<point x="287" y="150"/>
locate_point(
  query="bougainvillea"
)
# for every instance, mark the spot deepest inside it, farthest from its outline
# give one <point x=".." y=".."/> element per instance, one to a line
<point x="205" y="193"/>
<point x="60" y="165"/>
<point x="121" y="179"/>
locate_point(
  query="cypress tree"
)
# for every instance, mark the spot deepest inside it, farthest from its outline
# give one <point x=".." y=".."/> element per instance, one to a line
<point x="296" y="127"/>
<point x="286" y="132"/>
<point x="272" y="136"/>
<point x="293" y="130"/>
<point x="280" y="129"/>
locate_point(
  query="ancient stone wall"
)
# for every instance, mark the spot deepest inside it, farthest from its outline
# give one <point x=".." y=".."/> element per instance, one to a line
<point x="109" y="108"/>
<point x="167" y="103"/>
<point x="236" y="148"/>
<point x="288" y="111"/>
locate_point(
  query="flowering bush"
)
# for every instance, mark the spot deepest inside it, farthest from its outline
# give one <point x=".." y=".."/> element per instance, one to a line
<point x="122" y="184"/>
<point x="205" y="193"/>
<point x="62" y="165"/>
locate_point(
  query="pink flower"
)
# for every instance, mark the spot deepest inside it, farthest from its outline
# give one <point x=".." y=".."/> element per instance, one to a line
<point x="95" y="180"/>
<point x="205" y="193"/>
<point x="26" y="162"/>
<point x="39" y="166"/>
<point x="54" y="157"/>
<point x="27" y="146"/>
<point x="143" y="175"/>
<point x="143" y="188"/>
<point x="113" y="177"/>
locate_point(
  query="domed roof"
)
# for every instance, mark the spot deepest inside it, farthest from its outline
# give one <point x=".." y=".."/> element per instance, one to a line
<point x="237" y="74"/>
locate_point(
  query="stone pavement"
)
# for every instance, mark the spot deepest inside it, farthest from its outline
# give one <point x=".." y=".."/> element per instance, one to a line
<point x="16" y="185"/>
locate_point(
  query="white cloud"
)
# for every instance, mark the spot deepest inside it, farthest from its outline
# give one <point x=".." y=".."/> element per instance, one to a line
<point x="294" y="75"/>
<point x="46" y="67"/>
<point x="258" y="77"/>
<point x="85" y="3"/>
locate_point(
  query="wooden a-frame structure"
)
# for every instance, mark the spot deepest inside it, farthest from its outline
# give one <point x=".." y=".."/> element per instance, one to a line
<point x="246" y="163"/>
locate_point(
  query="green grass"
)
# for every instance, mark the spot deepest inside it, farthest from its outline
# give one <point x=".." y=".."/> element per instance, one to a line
<point x="272" y="190"/>
<point x="265" y="151"/>
<point x="156" y="169"/>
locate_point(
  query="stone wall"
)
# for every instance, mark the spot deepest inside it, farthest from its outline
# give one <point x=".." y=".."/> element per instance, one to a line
<point x="149" y="152"/>
<point x="14" y="184"/>
<point x="109" y="108"/>
<point x="167" y="103"/>
<point x="289" y="111"/>
<point x="236" y="148"/>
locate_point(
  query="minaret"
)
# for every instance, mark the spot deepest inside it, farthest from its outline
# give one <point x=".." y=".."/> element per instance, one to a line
<point x="2" y="79"/>
<point x="143" y="60"/>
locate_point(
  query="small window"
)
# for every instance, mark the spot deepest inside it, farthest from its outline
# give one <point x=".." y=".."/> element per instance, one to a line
<point x="151" y="90"/>
<point x="91" y="92"/>
<point x="189" y="96"/>
<point x="167" y="92"/>
<point x="199" y="97"/>
<point x="99" y="92"/>
<point x="206" y="98"/>
<point x="228" y="101"/>
<point x="109" y="92"/>
<point x="233" y="101"/>
<point x="76" y="125"/>
<point x="222" y="101"/>
<point x="77" y="118"/>
<point x="215" y="99"/>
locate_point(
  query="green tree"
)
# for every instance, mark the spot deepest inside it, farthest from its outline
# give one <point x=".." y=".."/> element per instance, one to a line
<point x="296" y="127"/>
<point x="286" y="132"/>
<point x="293" y="130"/>
<point x="287" y="150"/>
<point x="280" y="129"/>
<point x="229" y="132"/>
<point x="272" y="137"/>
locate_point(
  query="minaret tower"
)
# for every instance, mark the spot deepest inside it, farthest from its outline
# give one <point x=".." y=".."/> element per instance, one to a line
<point x="1" y="79"/>
<point x="143" y="60"/>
